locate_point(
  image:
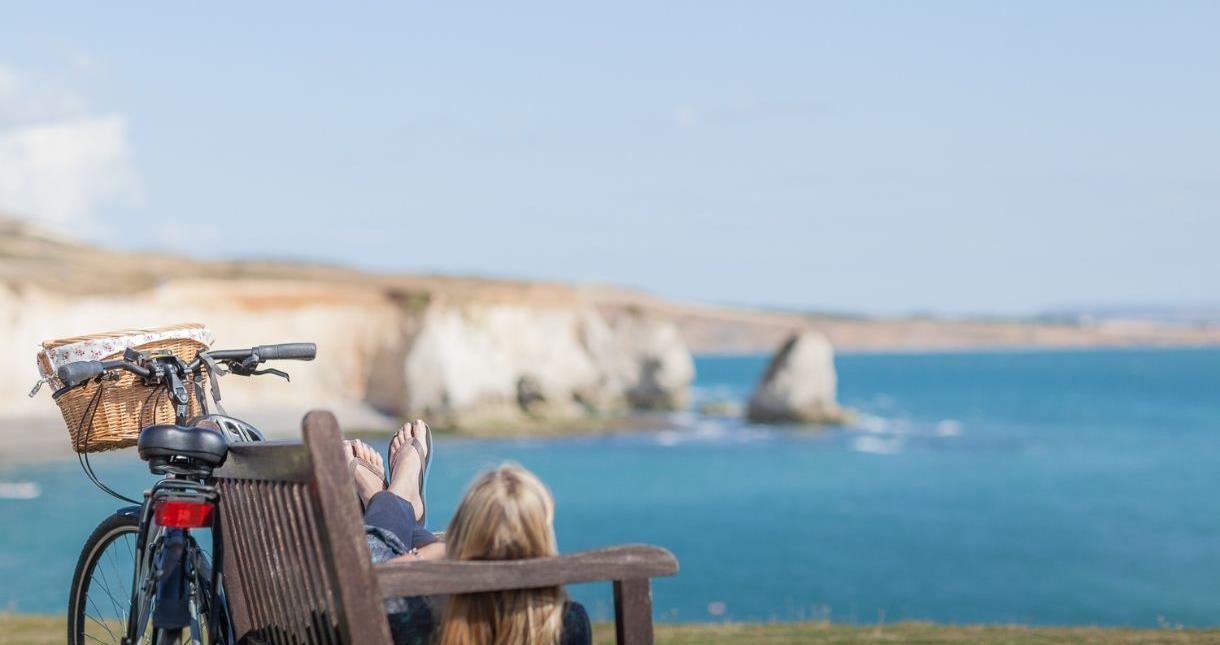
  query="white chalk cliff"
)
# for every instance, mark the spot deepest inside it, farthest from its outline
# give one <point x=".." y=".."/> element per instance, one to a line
<point x="478" y="355"/>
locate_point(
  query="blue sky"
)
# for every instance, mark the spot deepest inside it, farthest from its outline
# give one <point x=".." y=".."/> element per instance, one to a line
<point x="876" y="157"/>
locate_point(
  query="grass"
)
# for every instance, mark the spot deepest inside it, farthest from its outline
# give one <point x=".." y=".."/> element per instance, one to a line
<point x="31" y="629"/>
<point x="822" y="633"/>
<point x="27" y="629"/>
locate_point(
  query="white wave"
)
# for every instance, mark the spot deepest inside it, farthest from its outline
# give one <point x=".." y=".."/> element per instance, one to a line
<point x="877" y="445"/>
<point x="710" y="429"/>
<point x="682" y="418"/>
<point x="870" y="423"/>
<point x="20" y="490"/>
<point x="668" y="438"/>
<point x="949" y="428"/>
<point x="902" y="425"/>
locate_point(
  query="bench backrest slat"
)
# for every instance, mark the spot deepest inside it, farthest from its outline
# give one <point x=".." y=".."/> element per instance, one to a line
<point x="295" y="563"/>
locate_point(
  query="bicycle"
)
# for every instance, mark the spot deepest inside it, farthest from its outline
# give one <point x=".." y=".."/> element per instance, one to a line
<point x="173" y="587"/>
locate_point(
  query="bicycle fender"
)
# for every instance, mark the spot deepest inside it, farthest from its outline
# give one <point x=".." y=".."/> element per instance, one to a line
<point x="172" y="610"/>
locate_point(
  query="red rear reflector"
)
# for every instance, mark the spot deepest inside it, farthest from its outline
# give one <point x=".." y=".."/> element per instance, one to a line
<point x="178" y="514"/>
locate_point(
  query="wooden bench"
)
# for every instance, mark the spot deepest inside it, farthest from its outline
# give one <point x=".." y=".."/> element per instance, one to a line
<point x="297" y="568"/>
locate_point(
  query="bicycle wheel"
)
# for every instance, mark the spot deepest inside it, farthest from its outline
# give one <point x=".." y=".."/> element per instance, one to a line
<point x="211" y="600"/>
<point x="99" y="604"/>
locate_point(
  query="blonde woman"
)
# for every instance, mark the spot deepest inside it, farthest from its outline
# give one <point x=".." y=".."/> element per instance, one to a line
<point x="506" y="514"/>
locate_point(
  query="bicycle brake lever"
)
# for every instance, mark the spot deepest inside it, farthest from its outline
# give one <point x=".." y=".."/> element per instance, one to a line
<point x="272" y="370"/>
<point x="242" y="368"/>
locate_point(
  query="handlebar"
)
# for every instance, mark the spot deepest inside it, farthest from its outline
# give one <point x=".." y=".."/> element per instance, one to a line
<point x="79" y="372"/>
<point x="283" y="351"/>
<point x="287" y="352"/>
<point x="73" y="374"/>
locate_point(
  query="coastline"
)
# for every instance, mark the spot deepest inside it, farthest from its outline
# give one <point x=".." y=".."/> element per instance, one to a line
<point x="39" y="439"/>
<point x="32" y="439"/>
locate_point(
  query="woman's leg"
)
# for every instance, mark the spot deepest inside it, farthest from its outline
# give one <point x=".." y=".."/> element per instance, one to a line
<point x="390" y="512"/>
<point x="399" y="507"/>
<point x="368" y="472"/>
<point x="406" y="462"/>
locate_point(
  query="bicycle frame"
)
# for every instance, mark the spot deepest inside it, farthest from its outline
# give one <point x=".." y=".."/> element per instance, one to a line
<point x="168" y="554"/>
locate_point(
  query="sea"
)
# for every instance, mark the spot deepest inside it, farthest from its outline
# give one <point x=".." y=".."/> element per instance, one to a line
<point x="1034" y="487"/>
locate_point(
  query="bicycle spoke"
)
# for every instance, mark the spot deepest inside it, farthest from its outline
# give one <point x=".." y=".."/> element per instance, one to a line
<point x="103" y="605"/>
<point x="105" y="584"/>
<point x="96" y="608"/>
<point x="113" y="601"/>
<point x="105" y="627"/>
<point x="102" y="623"/>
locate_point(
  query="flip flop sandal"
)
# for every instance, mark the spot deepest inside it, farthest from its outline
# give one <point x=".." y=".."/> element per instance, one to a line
<point x="423" y="469"/>
<point x="360" y="462"/>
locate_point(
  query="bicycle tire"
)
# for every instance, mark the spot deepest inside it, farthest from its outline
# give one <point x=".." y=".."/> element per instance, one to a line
<point x="119" y="526"/>
<point x="84" y="629"/>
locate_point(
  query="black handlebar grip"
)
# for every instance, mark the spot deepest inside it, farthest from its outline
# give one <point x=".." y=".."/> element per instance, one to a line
<point x="73" y="374"/>
<point x="287" y="352"/>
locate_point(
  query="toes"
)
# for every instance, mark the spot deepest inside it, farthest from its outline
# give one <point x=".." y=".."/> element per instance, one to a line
<point x="421" y="432"/>
<point x="399" y="439"/>
<point x="368" y="454"/>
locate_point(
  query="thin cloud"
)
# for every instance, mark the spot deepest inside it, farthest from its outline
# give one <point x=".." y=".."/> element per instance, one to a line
<point x="58" y="161"/>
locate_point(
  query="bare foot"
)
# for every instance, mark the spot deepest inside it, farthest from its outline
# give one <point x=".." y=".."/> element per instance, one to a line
<point x="368" y="481"/>
<point x="406" y="462"/>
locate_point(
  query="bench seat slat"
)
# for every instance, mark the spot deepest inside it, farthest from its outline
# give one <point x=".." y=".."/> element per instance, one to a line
<point x="441" y="577"/>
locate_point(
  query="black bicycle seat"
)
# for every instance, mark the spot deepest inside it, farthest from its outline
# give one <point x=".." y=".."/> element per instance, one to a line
<point x="199" y="443"/>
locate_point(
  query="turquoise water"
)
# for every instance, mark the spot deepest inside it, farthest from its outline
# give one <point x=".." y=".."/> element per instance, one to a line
<point x="1046" y="488"/>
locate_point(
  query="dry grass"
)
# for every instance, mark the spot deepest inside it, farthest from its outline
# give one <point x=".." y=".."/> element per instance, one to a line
<point x="918" y="633"/>
<point x="25" y="629"/>
<point x="28" y="629"/>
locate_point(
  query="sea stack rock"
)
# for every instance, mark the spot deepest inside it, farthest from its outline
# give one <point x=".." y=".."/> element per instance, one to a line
<point x="799" y="384"/>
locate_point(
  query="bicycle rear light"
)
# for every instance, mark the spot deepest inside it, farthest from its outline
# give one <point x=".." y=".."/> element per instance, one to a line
<point x="180" y="514"/>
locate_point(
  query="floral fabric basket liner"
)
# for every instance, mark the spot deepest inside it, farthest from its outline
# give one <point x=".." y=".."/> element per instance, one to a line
<point x="96" y="347"/>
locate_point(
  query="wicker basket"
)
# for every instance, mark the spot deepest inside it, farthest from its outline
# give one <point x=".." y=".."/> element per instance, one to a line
<point x="109" y="414"/>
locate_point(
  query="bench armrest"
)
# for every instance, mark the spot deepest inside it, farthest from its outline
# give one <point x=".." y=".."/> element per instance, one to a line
<point x="442" y="577"/>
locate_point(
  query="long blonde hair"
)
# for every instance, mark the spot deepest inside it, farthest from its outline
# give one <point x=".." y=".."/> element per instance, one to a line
<point x="507" y="514"/>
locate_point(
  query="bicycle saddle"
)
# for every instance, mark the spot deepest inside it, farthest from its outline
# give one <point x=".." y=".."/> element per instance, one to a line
<point x="199" y="443"/>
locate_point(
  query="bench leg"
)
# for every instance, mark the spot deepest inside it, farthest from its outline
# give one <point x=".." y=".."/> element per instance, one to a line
<point x="633" y="611"/>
